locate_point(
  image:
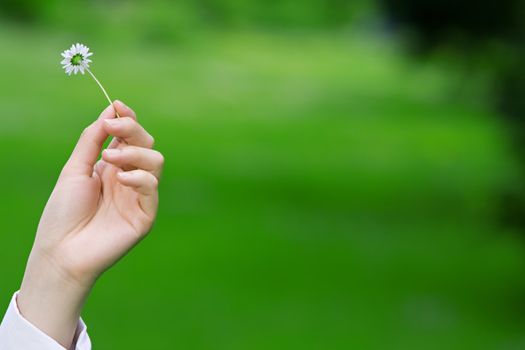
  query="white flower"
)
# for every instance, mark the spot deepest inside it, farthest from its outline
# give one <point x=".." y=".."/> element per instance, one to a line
<point x="76" y="59"/>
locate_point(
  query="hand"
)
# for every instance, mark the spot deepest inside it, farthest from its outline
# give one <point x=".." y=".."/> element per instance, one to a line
<point x="97" y="212"/>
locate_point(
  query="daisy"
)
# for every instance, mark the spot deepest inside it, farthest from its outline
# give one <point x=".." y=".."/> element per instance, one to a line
<point x="76" y="60"/>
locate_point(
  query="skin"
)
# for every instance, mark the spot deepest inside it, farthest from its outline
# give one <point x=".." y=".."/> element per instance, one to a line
<point x="98" y="211"/>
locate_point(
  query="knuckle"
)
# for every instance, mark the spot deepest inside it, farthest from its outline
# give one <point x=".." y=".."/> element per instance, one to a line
<point x="160" y="159"/>
<point x="151" y="141"/>
<point x="127" y="122"/>
<point x="128" y="151"/>
<point x="86" y="130"/>
<point x="132" y="114"/>
<point x="154" y="182"/>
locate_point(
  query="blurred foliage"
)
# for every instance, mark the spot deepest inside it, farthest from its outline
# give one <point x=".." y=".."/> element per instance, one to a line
<point x="489" y="38"/>
<point x="321" y="191"/>
<point x="275" y="13"/>
<point x="491" y="35"/>
<point x="466" y="21"/>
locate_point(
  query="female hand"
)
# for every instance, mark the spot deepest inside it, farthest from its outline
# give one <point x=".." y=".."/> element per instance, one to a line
<point x="97" y="212"/>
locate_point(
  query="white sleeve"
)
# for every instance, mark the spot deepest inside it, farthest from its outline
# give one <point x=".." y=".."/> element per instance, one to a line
<point x="17" y="333"/>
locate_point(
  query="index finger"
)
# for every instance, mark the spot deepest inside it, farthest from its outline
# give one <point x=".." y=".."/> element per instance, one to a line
<point x="130" y="131"/>
<point x="124" y="111"/>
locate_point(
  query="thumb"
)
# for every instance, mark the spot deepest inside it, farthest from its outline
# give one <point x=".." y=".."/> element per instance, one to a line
<point x="88" y="147"/>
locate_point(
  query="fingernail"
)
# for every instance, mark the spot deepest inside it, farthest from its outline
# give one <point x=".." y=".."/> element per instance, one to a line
<point x="112" y="151"/>
<point x="124" y="175"/>
<point x="111" y="122"/>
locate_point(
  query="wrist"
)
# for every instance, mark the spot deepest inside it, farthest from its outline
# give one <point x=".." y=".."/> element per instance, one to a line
<point x="51" y="299"/>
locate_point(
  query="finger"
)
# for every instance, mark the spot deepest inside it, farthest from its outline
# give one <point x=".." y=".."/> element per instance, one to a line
<point x="130" y="131"/>
<point x="89" y="145"/>
<point x="146" y="186"/>
<point x="100" y="166"/>
<point x="123" y="110"/>
<point x="136" y="157"/>
<point x="115" y="142"/>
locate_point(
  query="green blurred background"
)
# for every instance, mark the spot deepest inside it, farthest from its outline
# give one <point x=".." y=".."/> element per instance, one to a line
<point x="324" y="188"/>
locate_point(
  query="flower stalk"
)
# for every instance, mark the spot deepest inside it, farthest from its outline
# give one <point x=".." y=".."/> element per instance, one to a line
<point x="103" y="90"/>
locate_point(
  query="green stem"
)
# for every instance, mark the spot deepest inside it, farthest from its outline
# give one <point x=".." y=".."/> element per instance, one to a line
<point x="104" y="91"/>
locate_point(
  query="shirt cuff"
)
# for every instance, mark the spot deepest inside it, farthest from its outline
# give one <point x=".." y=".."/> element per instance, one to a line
<point x="17" y="333"/>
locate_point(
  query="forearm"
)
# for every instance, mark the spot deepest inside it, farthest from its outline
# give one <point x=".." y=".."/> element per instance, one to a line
<point x="51" y="300"/>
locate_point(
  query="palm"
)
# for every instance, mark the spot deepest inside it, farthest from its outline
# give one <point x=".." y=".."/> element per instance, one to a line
<point x="118" y="206"/>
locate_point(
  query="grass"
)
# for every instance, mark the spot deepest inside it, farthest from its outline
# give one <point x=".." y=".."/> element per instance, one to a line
<point x="320" y="192"/>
